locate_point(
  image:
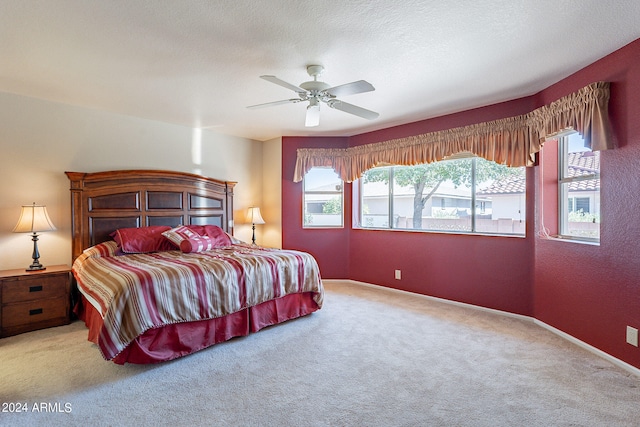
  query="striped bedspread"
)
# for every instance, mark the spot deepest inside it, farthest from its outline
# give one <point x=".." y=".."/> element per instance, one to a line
<point x="137" y="292"/>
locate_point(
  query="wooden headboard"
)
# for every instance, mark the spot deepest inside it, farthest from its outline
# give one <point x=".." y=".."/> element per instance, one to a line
<point x="102" y="202"/>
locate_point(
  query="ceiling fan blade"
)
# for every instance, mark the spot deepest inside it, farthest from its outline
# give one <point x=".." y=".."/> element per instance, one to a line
<point x="350" y="88"/>
<point x="271" y="104"/>
<point x="313" y="115"/>
<point x="353" y="109"/>
<point x="274" y="79"/>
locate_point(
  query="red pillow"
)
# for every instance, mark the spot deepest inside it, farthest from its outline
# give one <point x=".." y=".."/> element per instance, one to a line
<point x="143" y="239"/>
<point x="220" y="238"/>
<point x="197" y="244"/>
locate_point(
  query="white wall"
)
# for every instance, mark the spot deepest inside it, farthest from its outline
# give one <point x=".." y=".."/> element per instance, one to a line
<point x="508" y="206"/>
<point x="270" y="234"/>
<point x="40" y="140"/>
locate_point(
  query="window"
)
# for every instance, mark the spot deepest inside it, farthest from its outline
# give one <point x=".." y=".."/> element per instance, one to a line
<point x="323" y="198"/>
<point x="578" y="189"/>
<point x="467" y="194"/>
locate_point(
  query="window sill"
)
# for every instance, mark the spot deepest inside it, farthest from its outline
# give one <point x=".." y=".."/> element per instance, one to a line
<point x="570" y="239"/>
<point x="452" y="232"/>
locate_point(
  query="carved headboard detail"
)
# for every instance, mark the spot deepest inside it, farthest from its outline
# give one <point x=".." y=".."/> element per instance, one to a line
<point x="102" y="202"/>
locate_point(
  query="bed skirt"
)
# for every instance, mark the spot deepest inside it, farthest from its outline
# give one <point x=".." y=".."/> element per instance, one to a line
<point x="180" y="339"/>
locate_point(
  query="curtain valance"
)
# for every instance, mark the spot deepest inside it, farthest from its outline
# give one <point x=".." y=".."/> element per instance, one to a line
<point x="512" y="141"/>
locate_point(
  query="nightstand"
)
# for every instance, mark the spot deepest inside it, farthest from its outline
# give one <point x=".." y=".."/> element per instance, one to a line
<point x="31" y="300"/>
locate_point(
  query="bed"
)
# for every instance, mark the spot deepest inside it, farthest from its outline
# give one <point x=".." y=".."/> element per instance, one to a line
<point x="159" y="274"/>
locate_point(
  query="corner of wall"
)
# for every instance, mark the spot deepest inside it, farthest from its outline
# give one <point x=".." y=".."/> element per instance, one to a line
<point x="272" y="192"/>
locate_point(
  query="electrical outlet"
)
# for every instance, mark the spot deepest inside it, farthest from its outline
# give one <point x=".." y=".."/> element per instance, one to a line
<point x="398" y="275"/>
<point x="632" y="336"/>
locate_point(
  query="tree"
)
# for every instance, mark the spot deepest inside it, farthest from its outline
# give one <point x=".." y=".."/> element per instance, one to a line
<point x="428" y="177"/>
<point x="332" y="206"/>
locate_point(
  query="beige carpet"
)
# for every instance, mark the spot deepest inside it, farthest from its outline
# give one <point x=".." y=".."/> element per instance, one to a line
<point x="370" y="357"/>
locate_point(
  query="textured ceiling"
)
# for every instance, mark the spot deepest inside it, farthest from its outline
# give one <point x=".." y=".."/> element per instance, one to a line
<point x="197" y="63"/>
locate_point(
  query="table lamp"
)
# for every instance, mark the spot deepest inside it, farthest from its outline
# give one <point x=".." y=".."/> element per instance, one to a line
<point x="34" y="219"/>
<point x="255" y="218"/>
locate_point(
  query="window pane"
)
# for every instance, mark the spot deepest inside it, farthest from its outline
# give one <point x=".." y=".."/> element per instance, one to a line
<point x="404" y="178"/>
<point x="579" y="195"/>
<point x="449" y="208"/>
<point x="440" y="197"/>
<point x="375" y="198"/>
<point x="323" y="205"/>
<point x="500" y="198"/>
<point x="435" y="196"/>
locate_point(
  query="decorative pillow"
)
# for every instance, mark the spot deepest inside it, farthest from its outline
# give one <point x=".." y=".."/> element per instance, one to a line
<point x="197" y="244"/>
<point x="143" y="239"/>
<point x="178" y="234"/>
<point x="198" y="238"/>
<point x="198" y="229"/>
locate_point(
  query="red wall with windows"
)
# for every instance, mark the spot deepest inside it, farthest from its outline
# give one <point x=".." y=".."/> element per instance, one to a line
<point x="590" y="292"/>
<point x="330" y="246"/>
<point x="489" y="271"/>
<point x="593" y="292"/>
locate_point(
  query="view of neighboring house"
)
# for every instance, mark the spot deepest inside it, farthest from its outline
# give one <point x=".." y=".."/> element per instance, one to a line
<point x="582" y="197"/>
<point x="323" y="198"/>
<point x="448" y="202"/>
<point x="499" y="205"/>
<point x="323" y="204"/>
<point x="448" y="198"/>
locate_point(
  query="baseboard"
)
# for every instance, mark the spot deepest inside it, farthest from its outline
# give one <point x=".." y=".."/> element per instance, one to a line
<point x="624" y="365"/>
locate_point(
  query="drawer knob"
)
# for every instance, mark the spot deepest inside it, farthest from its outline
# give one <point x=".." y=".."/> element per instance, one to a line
<point x="35" y="288"/>
<point x="35" y="311"/>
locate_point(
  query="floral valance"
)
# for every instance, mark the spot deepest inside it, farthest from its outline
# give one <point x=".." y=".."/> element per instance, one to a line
<point x="512" y="141"/>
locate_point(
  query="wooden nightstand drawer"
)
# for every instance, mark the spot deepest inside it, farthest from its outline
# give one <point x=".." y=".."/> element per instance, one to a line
<point x="31" y="300"/>
<point x="30" y="288"/>
<point x="34" y="311"/>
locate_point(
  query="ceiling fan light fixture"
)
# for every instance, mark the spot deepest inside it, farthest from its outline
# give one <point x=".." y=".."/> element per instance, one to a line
<point x="316" y="91"/>
<point x="313" y="113"/>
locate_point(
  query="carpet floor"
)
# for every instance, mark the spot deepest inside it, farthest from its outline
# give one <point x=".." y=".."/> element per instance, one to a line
<point x="370" y="357"/>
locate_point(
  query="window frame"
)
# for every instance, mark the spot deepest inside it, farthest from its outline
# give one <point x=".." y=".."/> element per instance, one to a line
<point x="360" y="194"/>
<point x="563" y="191"/>
<point x="321" y="192"/>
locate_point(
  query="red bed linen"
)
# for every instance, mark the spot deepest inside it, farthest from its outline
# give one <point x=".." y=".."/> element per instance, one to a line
<point x="179" y="339"/>
<point x="281" y="309"/>
<point x="135" y="293"/>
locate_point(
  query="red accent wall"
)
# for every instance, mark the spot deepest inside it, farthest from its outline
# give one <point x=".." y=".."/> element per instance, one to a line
<point x="489" y="271"/>
<point x="593" y="292"/>
<point x="330" y="246"/>
<point x="590" y="292"/>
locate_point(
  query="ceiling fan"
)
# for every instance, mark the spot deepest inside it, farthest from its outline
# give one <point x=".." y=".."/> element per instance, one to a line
<point x="316" y="92"/>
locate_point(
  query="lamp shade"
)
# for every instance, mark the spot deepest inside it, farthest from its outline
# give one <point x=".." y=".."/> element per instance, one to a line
<point x="33" y="218"/>
<point x="254" y="216"/>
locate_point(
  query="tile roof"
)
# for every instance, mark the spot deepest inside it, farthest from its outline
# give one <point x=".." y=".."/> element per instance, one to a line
<point x="580" y="163"/>
<point x="511" y="185"/>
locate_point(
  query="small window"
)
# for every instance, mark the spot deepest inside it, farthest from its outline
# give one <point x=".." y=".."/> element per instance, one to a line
<point x="323" y="198"/>
<point x="578" y="189"/>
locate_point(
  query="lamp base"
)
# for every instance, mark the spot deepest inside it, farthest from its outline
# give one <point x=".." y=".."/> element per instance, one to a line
<point x="253" y="236"/>
<point x="35" y="265"/>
